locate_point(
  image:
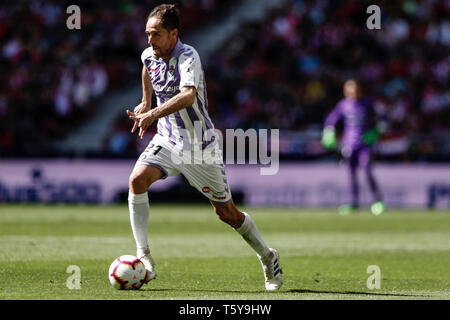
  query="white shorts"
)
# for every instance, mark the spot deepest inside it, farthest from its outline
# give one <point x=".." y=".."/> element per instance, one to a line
<point x="205" y="173"/>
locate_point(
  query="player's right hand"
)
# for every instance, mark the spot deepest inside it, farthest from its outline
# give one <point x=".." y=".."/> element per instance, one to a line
<point x="329" y="138"/>
<point x="142" y="120"/>
<point x="139" y="109"/>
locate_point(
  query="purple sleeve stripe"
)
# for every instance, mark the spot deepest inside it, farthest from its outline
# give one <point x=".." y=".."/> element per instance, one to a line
<point x="188" y="53"/>
<point x="179" y="120"/>
<point x="147" y="63"/>
<point x="168" y="126"/>
<point x="191" y="113"/>
<point x="334" y="116"/>
<point x="205" y="91"/>
<point x="160" y="128"/>
<point x="203" y="113"/>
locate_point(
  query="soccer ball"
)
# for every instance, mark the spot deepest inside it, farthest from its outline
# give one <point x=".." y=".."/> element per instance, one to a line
<point x="127" y="273"/>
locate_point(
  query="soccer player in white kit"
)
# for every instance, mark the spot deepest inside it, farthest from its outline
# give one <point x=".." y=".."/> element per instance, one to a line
<point x="173" y="71"/>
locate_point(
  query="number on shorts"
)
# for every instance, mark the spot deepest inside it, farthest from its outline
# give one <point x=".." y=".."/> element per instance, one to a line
<point x="158" y="149"/>
<point x="151" y="146"/>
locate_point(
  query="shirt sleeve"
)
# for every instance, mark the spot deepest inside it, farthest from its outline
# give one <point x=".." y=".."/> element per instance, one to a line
<point x="190" y="68"/>
<point x="146" y="53"/>
<point x="334" y="116"/>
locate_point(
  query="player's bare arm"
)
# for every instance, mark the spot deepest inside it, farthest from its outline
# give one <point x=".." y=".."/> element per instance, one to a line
<point x="182" y="100"/>
<point x="147" y="92"/>
<point x="146" y="103"/>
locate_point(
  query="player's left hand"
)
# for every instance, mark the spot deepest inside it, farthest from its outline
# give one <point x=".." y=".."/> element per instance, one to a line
<point x="369" y="137"/>
<point x="140" y="108"/>
<point x="144" y="121"/>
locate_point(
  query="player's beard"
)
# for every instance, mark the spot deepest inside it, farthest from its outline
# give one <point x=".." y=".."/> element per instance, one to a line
<point x="160" y="53"/>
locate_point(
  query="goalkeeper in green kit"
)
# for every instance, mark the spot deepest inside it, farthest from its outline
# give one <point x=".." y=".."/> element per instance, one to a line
<point x="360" y="134"/>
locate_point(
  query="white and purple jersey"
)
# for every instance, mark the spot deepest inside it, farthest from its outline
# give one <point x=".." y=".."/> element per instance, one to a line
<point x="182" y="69"/>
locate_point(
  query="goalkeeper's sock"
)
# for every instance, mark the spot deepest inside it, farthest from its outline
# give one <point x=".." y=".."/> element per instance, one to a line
<point x="139" y="208"/>
<point x="251" y="235"/>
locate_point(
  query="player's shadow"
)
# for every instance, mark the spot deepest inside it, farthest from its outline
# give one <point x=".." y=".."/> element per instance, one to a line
<point x="156" y="289"/>
<point x="204" y="290"/>
<point x="297" y="291"/>
<point x="354" y="293"/>
<point x="379" y="294"/>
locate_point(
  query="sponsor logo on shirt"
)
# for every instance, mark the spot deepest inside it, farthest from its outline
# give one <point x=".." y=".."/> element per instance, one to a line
<point x="169" y="89"/>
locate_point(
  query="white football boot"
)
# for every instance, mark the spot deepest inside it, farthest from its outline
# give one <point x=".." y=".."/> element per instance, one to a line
<point x="149" y="264"/>
<point x="272" y="270"/>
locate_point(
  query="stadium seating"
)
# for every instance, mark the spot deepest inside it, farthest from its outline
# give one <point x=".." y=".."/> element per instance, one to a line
<point x="284" y="72"/>
<point x="53" y="77"/>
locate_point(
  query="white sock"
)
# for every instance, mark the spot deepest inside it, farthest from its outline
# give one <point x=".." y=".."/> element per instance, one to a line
<point x="139" y="208"/>
<point x="251" y="235"/>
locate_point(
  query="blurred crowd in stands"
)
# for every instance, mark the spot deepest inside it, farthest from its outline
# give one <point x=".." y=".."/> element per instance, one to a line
<point x="52" y="78"/>
<point x="287" y="72"/>
<point x="284" y="72"/>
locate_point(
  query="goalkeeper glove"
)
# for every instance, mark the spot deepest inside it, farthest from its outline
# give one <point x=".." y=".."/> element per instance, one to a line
<point x="329" y="138"/>
<point x="369" y="137"/>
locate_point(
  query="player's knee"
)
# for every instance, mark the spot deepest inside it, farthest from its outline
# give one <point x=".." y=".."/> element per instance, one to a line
<point x="138" y="182"/>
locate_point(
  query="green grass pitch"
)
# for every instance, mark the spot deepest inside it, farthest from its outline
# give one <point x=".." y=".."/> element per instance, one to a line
<point x="323" y="255"/>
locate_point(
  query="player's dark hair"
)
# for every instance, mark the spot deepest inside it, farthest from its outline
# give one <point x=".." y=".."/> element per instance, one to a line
<point x="168" y="13"/>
